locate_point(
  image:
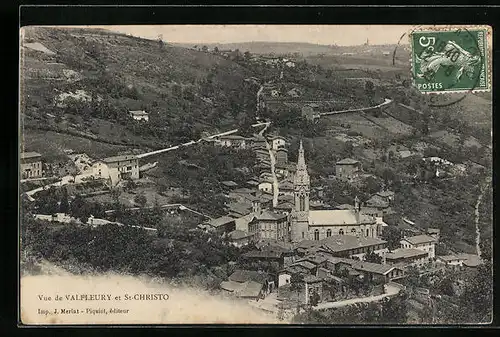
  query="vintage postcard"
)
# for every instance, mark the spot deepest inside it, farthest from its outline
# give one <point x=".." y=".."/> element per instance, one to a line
<point x="263" y="174"/>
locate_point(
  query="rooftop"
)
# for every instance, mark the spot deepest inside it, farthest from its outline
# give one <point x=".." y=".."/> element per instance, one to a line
<point x="449" y="258"/>
<point x="338" y="217"/>
<point x="305" y="264"/>
<point x="340" y="243"/>
<point x="241" y="208"/>
<point x="220" y="221"/>
<point x="243" y="275"/>
<point x="419" y="239"/>
<point x="370" y="267"/>
<point x="270" y="216"/>
<point x="229" y="183"/>
<point x="403" y="253"/>
<point x="470" y="260"/>
<point x="347" y="161"/>
<point x="138" y="112"/>
<point x="385" y="194"/>
<point x="377" y="201"/>
<point x="120" y="158"/>
<point x="28" y="155"/>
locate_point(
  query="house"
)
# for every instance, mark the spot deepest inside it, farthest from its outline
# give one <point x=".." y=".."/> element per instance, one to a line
<point x="421" y="242"/>
<point x="290" y="64"/>
<point x="269" y="225"/>
<point x="239" y="209"/>
<point x="101" y="170"/>
<point x="139" y="115"/>
<point x="386" y="195"/>
<point x="221" y="225"/>
<point x="286" y="188"/>
<point x="434" y="233"/>
<point x="451" y="260"/>
<point x="470" y="260"/>
<point x="347" y="169"/>
<point x="240" y="238"/>
<point x="281" y="155"/>
<point x="275" y="93"/>
<point x="266" y="187"/>
<point x="277" y="142"/>
<point x="271" y="253"/>
<point x="405" y="257"/>
<point x="234" y="141"/>
<point x="31" y="165"/>
<point x="127" y="166"/>
<point x="248" y="284"/>
<point x="381" y="204"/>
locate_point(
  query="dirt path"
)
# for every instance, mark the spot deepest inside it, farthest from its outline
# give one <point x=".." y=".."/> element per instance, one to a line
<point x="476" y="212"/>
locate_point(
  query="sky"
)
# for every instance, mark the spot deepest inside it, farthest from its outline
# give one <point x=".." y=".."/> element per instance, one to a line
<point x="343" y="35"/>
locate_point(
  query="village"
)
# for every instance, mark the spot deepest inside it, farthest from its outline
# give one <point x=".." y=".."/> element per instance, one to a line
<point x="321" y="191"/>
<point x="325" y="256"/>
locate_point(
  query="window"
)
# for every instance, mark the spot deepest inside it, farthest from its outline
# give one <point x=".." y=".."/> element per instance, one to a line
<point x="353" y="230"/>
<point x="302" y="235"/>
<point x="302" y="201"/>
<point x="372" y="232"/>
<point x="316" y="234"/>
<point x="341" y="232"/>
<point x="328" y="233"/>
<point x="367" y="232"/>
<point x="129" y="168"/>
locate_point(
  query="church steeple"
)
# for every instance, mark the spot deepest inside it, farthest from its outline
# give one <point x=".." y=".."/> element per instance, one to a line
<point x="301" y="162"/>
<point x="301" y="187"/>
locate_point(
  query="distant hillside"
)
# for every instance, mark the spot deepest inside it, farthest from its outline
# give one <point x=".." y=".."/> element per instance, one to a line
<point x="305" y="49"/>
<point x="107" y="74"/>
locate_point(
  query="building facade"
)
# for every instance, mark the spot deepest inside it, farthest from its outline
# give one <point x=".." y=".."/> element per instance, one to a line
<point x="421" y="242"/>
<point x="127" y="165"/>
<point x="31" y="165"/>
<point x="347" y="169"/>
<point x="309" y="224"/>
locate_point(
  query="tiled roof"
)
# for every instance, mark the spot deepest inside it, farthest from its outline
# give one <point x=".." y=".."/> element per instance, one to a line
<point x="340" y="243"/>
<point x="449" y="258"/>
<point x="370" y="267"/>
<point x="305" y="264"/>
<point x="338" y="218"/>
<point x="377" y="201"/>
<point x="405" y="253"/>
<point x="242" y="222"/>
<point x="268" y="215"/>
<point x="419" y="239"/>
<point x="347" y="161"/>
<point x="241" y="208"/>
<point x="470" y="260"/>
<point x="28" y="155"/>
<point x="220" y="221"/>
<point x="138" y="112"/>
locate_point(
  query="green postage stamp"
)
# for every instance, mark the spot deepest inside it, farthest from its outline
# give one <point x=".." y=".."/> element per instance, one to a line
<point x="445" y="59"/>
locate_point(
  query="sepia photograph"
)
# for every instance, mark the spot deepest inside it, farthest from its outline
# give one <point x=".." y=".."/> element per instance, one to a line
<point x="255" y="174"/>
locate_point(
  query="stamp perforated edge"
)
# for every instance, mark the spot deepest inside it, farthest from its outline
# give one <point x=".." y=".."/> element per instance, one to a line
<point x="437" y="28"/>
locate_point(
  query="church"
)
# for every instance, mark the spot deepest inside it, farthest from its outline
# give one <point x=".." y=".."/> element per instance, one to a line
<point x="306" y="224"/>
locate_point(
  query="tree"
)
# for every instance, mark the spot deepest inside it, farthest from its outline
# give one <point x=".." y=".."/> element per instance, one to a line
<point x="140" y="199"/>
<point x="216" y="50"/>
<point x="392" y="235"/>
<point x="247" y="55"/>
<point x="204" y="49"/>
<point x="373" y="257"/>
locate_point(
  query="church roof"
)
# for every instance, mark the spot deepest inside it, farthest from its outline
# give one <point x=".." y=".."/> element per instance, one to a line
<point x="338" y="217"/>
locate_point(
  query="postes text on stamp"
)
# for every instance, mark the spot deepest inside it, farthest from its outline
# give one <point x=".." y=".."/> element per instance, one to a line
<point x="450" y="60"/>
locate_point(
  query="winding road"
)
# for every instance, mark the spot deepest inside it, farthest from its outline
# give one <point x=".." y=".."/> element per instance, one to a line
<point x="477" y="215"/>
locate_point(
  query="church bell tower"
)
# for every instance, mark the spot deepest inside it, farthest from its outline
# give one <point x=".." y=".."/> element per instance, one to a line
<point x="299" y="230"/>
